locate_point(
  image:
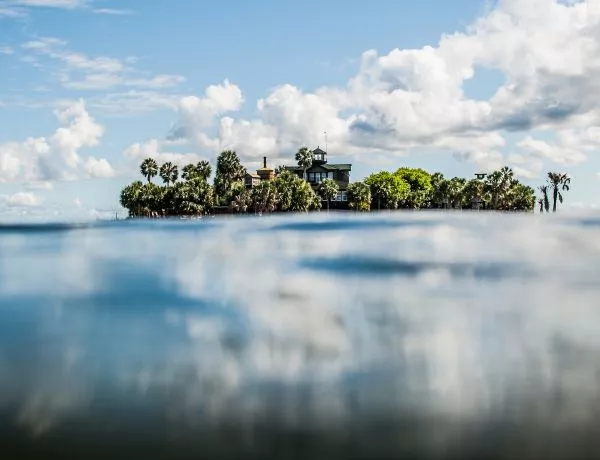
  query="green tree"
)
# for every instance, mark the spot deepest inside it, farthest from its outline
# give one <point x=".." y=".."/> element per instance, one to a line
<point x="229" y="173"/>
<point x="264" y="197"/>
<point x="169" y="173"/>
<point x="304" y="157"/>
<point x="387" y="190"/>
<point x="130" y="198"/>
<point x="201" y="170"/>
<point x="456" y="196"/>
<point x="474" y="191"/>
<point x="359" y="196"/>
<point x="559" y="182"/>
<point x="294" y="194"/>
<point x="149" y="168"/>
<point x="242" y="199"/>
<point x="419" y="182"/>
<point x="439" y="190"/>
<point x="328" y="190"/>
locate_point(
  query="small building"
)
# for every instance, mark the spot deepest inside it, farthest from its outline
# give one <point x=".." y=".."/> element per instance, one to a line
<point x="264" y="173"/>
<point x="321" y="170"/>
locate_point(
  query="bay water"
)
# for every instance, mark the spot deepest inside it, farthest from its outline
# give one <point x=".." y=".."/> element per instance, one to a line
<point x="336" y="335"/>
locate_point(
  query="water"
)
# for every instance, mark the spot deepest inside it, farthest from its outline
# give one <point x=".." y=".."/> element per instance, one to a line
<point x="326" y="336"/>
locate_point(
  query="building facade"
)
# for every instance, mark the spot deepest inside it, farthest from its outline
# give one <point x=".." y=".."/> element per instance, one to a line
<point x="321" y="169"/>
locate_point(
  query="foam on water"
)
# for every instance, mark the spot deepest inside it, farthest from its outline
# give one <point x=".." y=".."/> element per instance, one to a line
<point x="319" y="323"/>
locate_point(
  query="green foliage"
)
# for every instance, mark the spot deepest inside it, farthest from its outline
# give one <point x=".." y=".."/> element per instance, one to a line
<point x="149" y="168"/>
<point x="406" y="187"/>
<point x="388" y="190"/>
<point x="201" y="170"/>
<point x="359" y="196"/>
<point x="229" y="173"/>
<point x="295" y="194"/>
<point x="264" y="197"/>
<point x="304" y="157"/>
<point x="168" y="173"/>
<point x="419" y="182"/>
<point x="328" y="190"/>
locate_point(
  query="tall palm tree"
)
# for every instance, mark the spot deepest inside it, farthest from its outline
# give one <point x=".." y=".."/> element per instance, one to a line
<point x="328" y="190"/>
<point x="229" y="171"/>
<point x="558" y="182"/>
<point x="169" y="173"/>
<point x="304" y="157"/>
<point x="544" y="199"/>
<point x="149" y="168"/>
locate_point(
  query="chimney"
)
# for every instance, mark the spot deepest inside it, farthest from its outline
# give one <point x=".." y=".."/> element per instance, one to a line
<point x="265" y="162"/>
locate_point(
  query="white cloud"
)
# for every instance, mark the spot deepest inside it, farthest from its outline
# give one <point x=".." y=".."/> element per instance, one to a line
<point x="155" y="148"/>
<point x="21" y="199"/>
<point x="82" y="72"/>
<point x="57" y="156"/>
<point x="6" y="49"/>
<point x="99" y="168"/>
<point x="112" y="11"/>
<point x="548" y="52"/>
<point x="19" y="8"/>
<point x="66" y="4"/>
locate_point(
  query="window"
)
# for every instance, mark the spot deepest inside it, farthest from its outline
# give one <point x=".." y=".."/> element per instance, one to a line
<point x="344" y="196"/>
<point x="330" y="175"/>
<point x="311" y="177"/>
<point x="319" y="157"/>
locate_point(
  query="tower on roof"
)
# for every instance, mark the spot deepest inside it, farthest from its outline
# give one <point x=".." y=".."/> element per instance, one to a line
<point x="319" y="156"/>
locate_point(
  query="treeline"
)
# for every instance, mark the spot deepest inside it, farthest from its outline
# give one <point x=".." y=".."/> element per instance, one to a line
<point x="191" y="194"/>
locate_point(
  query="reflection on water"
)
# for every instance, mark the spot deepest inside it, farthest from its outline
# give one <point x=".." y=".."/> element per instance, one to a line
<point x="422" y="333"/>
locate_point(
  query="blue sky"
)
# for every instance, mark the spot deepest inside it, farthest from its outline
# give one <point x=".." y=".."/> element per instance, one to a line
<point x="88" y="88"/>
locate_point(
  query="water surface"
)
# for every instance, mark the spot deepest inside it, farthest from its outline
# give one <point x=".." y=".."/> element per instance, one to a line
<point x="322" y="336"/>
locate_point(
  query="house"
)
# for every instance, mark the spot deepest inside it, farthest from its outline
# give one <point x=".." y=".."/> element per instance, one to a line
<point x="320" y="170"/>
<point x="264" y="173"/>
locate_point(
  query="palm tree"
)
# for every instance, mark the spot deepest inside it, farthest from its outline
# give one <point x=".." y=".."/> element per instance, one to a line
<point x="544" y="199"/>
<point x="169" y="173"/>
<point x="328" y="190"/>
<point x="229" y="171"/>
<point x="149" y="168"/>
<point x="558" y="182"/>
<point x="304" y="157"/>
<point x="203" y="169"/>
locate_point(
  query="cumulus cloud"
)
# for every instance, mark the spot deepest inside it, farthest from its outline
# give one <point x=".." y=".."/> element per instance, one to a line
<point x="57" y="156"/>
<point x="547" y="50"/>
<point x="21" y="199"/>
<point x="98" y="168"/>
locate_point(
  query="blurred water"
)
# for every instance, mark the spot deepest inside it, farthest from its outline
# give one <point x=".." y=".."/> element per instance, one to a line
<point x="303" y="337"/>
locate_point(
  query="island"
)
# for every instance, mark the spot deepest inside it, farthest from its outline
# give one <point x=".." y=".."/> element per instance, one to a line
<point x="313" y="183"/>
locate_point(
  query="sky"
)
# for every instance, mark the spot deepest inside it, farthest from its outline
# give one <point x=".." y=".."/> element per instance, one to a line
<point x="89" y="88"/>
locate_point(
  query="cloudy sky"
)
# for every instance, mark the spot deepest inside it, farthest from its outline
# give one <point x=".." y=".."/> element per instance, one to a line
<point x="90" y="87"/>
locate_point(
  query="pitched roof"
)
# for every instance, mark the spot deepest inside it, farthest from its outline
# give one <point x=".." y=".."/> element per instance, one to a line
<point x="339" y="167"/>
<point x="328" y="166"/>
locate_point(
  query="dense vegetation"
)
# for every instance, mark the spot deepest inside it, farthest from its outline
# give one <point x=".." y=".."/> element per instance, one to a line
<point x="406" y="188"/>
